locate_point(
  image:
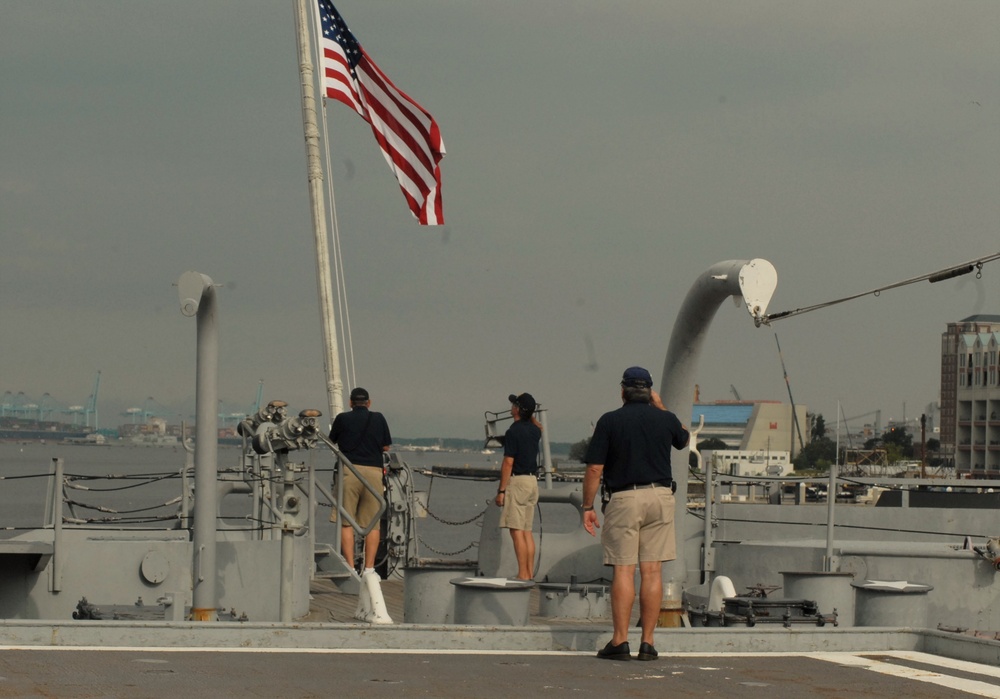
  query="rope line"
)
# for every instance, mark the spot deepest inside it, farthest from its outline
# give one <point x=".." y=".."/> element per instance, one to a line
<point x="937" y="276"/>
<point x="70" y="482"/>
<point x="836" y="525"/>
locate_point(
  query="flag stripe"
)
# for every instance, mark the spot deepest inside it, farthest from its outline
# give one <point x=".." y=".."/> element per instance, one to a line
<point x="338" y="82"/>
<point x="407" y="134"/>
<point x="395" y="101"/>
<point x="388" y="120"/>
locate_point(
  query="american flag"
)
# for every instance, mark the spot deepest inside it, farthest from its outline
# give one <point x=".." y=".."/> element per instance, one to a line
<point x="406" y="133"/>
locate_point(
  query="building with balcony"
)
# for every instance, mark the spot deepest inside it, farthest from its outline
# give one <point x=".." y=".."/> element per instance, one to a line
<point x="970" y="395"/>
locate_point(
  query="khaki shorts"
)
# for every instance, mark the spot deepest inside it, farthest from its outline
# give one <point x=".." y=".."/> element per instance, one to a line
<point x="358" y="501"/>
<point x="519" y="503"/>
<point x="639" y="527"/>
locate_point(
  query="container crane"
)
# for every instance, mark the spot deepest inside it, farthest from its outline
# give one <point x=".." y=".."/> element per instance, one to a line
<point x="30" y="409"/>
<point x="91" y="407"/>
<point x="149" y="409"/>
<point x="240" y="413"/>
<point x="260" y="393"/>
<point x="21" y="405"/>
<point x="74" y="412"/>
<point x="46" y="406"/>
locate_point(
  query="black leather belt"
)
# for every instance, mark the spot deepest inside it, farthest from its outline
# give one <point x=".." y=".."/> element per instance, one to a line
<point x="639" y="486"/>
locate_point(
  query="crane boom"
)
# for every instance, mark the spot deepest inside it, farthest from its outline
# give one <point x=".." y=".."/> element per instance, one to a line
<point x="260" y="393"/>
<point x="92" y="405"/>
<point x="795" y="417"/>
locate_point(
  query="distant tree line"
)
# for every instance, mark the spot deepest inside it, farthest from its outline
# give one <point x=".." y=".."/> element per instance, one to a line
<point x="898" y="443"/>
<point x="578" y="450"/>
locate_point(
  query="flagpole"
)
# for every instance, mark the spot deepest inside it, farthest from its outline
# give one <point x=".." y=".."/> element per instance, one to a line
<point x="314" y="167"/>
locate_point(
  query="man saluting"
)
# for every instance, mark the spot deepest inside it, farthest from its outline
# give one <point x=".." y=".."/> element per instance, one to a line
<point x="631" y="450"/>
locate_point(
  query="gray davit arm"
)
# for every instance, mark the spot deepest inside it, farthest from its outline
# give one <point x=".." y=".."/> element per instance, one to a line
<point x="752" y="280"/>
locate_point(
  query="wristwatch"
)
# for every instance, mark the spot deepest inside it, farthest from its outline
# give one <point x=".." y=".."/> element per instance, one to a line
<point x="588" y="508"/>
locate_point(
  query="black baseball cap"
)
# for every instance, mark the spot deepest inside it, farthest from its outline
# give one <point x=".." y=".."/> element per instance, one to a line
<point x="636" y="376"/>
<point x="524" y="402"/>
<point x="359" y="395"/>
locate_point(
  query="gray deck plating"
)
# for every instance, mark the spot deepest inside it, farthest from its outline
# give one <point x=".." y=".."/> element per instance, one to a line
<point x="327" y="651"/>
<point x="152" y="672"/>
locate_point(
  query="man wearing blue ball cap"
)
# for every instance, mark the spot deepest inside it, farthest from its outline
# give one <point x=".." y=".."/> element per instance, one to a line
<point x="630" y="450"/>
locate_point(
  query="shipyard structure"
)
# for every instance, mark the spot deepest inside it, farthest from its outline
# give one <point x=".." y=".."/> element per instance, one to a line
<point x="970" y="396"/>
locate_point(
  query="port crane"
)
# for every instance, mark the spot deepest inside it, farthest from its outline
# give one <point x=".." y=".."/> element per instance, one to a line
<point x="150" y="408"/>
<point x="46" y="406"/>
<point x="240" y="413"/>
<point x="91" y="407"/>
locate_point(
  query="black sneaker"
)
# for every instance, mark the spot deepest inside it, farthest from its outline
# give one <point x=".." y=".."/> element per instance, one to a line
<point x="619" y="652"/>
<point x="647" y="652"/>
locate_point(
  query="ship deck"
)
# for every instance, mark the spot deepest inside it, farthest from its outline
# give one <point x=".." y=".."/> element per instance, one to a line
<point x="164" y="673"/>
<point x="329" y="652"/>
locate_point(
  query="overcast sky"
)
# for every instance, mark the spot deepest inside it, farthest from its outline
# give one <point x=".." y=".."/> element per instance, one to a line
<point x="600" y="157"/>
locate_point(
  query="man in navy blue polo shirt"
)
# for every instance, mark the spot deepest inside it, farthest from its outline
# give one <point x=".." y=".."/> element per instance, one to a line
<point x="630" y="448"/>
<point x="362" y="435"/>
<point x="518" y="491"/>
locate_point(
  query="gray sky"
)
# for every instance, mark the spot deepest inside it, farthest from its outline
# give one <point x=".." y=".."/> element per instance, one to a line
<point x="600" y="156"/>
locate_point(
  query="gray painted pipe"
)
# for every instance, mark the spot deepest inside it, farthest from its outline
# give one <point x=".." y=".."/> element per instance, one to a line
<point x="197" y="294"/>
